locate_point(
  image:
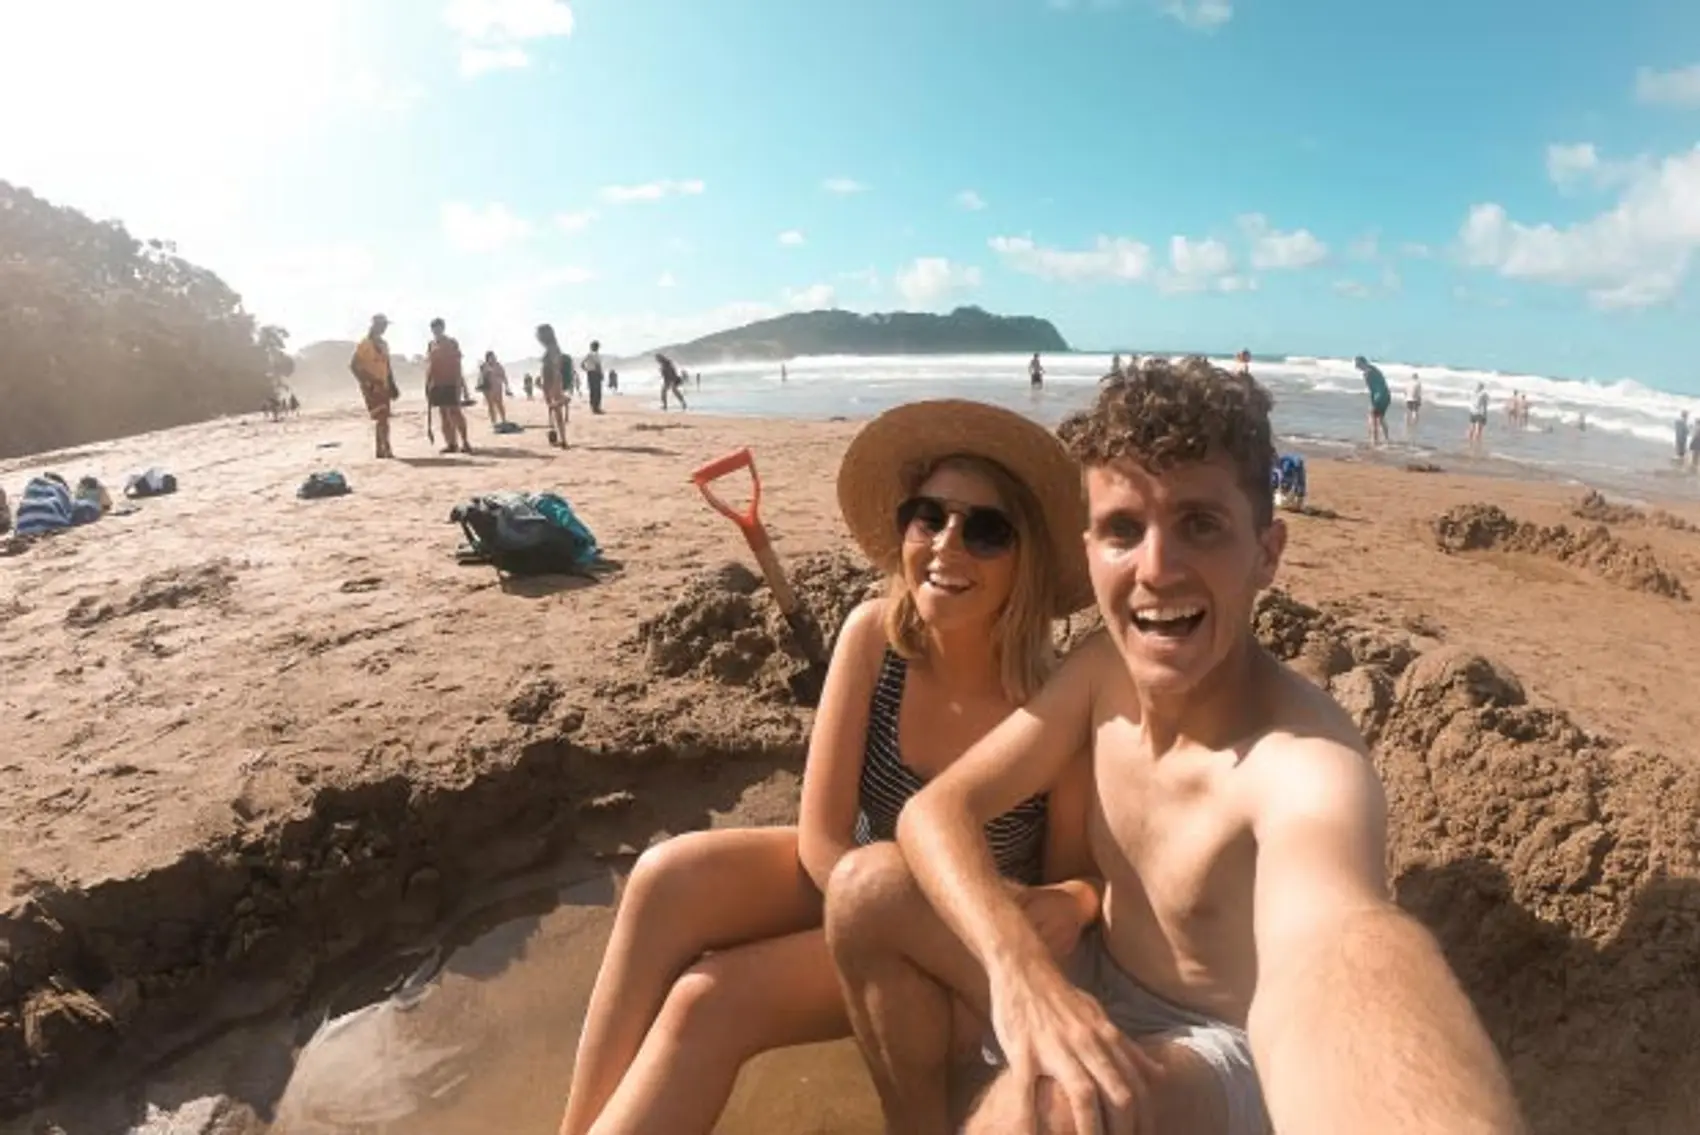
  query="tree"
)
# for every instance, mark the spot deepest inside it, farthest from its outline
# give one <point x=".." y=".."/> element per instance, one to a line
<point x="102" y="335"/>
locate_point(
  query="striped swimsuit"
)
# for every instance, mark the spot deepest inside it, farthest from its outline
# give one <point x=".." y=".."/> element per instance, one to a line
<point x="1017" y="837"/>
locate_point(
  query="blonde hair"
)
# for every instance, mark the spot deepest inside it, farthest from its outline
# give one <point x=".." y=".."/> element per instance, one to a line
<point x="1021" y="638"/>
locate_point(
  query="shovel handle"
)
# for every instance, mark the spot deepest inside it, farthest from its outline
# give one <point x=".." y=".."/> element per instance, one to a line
<point x="750" y="519"/>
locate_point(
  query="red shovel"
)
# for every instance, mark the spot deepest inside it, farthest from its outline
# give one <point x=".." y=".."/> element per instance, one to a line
<point x="749" y="522"/>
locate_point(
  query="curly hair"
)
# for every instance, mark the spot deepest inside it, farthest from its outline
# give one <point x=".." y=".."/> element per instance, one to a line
<point x="1163" y="414"/>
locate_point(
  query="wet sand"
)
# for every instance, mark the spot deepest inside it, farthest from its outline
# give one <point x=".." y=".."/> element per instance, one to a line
<point x="256" y="741"/>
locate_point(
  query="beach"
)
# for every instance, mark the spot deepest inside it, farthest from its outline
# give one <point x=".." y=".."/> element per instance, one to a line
<point x="262" y="749"/>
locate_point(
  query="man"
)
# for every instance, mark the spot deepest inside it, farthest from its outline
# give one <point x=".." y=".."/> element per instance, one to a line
<point x="671" y="383"/>
<point x="444" y="383"/>
<point x="1035" y="372"/>
<point x="593" y="375"/>
<point x="371" y="367"/>
<point x="1478" y="418"/>
<point x="1380" y="397"/>
<point x="1682" y="445"/>
<point x="1236" y="822"/>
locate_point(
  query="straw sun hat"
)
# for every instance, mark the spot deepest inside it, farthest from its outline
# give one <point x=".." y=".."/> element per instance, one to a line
<point x="920" y="434"/>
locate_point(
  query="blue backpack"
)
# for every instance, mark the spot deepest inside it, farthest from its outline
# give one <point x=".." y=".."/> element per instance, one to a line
<point x="526" y="534"/>
<point x="1288" y="475"/>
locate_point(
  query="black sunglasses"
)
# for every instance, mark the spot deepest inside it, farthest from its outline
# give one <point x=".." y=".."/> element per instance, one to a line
<point x="986" y="532"/>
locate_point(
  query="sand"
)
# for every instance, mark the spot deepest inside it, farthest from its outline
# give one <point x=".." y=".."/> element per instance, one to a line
<point x="255" y="741"/>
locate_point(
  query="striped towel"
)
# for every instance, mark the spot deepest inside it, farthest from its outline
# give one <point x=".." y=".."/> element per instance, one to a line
<point x="47" y="507"/>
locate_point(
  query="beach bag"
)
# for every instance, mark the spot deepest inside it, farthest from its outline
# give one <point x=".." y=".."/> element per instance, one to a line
<point x="526" y="534"/>
<point x="155" y="482"/>
<point x="327" y="484"/>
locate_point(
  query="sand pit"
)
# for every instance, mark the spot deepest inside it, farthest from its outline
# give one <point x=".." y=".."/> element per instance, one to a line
<point x="1484" y="527"/>
<point x="1560" y="870"/>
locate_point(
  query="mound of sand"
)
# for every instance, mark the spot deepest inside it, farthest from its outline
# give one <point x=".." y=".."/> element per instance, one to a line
<point x="724" y="626"/>
<point x="1480" y="527"/>
<point x="1560" y="871"/>
<point x="1594" y="507"/>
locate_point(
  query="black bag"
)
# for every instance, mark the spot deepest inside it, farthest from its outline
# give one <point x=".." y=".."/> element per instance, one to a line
<point x="526" y="534"/>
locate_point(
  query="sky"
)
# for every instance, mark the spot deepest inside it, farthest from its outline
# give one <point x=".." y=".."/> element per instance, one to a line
<point x="1512" y="184"/>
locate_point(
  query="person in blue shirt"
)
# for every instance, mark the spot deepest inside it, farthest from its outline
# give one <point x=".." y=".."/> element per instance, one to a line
<point x="1380" y="398"/>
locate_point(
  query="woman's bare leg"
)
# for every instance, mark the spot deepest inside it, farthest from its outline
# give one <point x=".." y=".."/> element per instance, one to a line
<point x="694" y="893"/>
<point x="726" y="1009"/>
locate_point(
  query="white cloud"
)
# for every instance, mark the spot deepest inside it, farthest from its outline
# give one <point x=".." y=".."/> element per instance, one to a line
<point x="1580" y="165"/>
<point x="929" y="279"/>
<point x="1109" y="258"/>
<point x="1201" y="15"/>
<point x="574" y="222"/>
<point x="652" y="191"/>
<point x="491" y="32"/>
<point x="666" y="281"/>
<point x="1416" y="250"/>
<point x="1356" y="289"/>
<point x="1271" y="248"/>
<point x="843" y="185"/>
<point x="476" y="61"/>
<point x="791" y="237"/>
<point x="486" y="229"/>
<point x="1635" y="254"/>
<point x="815" y="297"/>
<point x="565" y="277"/>
<point x="970" y="200"/>
<point x="1677" y="87"/>
<point x="1197" y="266"/>
<point x="869" y="278"/>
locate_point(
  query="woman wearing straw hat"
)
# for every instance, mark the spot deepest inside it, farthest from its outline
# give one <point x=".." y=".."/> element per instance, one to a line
<point x="717" y="952"/>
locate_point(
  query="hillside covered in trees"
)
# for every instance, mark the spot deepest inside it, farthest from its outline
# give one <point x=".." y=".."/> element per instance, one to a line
<point x="103" y="335"/>
<point x="967" y="330"/>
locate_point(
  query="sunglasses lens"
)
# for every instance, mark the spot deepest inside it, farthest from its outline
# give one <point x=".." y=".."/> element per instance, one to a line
<point x="987" y="532"/>
<point x="921" y="517"/>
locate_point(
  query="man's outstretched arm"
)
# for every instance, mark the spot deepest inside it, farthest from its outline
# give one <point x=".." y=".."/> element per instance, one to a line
<point x="1357" y="1024"/>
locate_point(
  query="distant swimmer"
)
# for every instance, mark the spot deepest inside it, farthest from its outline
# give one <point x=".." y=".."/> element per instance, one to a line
<point x="1683" y="443"/>
<point x="1413" y="405"/>
<point x="1035" y="372"/>
<point x="1380" y="398"/>
<point x="1478" y="417"/>
<point x="782" y="374"/>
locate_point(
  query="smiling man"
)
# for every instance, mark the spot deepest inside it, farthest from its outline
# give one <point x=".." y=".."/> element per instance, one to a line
<point x="1249" y="968"/>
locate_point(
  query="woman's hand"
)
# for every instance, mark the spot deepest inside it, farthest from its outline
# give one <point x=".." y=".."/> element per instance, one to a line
<point x="1060" y="912"/>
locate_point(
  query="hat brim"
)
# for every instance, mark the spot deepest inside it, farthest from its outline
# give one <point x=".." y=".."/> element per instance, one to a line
<point x="870" y="479"/>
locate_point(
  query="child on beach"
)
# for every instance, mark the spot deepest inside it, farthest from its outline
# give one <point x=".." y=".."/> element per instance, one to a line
<point x="717" y="952"/>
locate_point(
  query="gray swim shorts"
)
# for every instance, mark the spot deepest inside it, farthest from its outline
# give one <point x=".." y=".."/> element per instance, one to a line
<point x="1144" y="1016"/>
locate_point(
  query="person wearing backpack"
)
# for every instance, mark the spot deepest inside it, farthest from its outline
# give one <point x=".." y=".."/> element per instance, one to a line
<point x="443" y="383"/>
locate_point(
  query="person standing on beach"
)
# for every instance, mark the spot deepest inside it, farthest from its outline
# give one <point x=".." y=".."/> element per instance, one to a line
<point x="554" y="380"/>
<point x="1380" y="398"/>
<point x="1478" y="418"/>
<point x="493" y="384"/>
<point x="371" y="367"/>
<point x="671" y="383"/>
<point x="1682" y="440"/>
<point x="1413" y="405"/>
<point x="1035" y="372"/>
<point x="445" y="382"/>
<point x="593" y="375"/>
<point x="1249" y="970"/>
<point x="1244" y="361"/>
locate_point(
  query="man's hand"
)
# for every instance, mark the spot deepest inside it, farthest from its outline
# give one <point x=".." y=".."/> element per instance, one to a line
<point x="1050" y="1029"/>
<point x="1057" y="914"/>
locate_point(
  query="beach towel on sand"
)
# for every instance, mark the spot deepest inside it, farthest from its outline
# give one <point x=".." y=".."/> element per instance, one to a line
<point x="526" y="534"/>
<point x="326" y="484"/>
<point x="48" y="506"/>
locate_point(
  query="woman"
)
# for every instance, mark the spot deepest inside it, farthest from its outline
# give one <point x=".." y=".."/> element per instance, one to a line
<point x="493" y="382"/>
<point x="554" y="384"/>
<point x="717" y="952"/>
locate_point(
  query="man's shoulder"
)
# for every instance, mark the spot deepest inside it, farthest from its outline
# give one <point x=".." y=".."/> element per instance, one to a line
<point x="1310" y="750"/>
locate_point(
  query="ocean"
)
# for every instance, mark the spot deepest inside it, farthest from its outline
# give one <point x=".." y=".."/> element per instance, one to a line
<point x="1627" y="449"/>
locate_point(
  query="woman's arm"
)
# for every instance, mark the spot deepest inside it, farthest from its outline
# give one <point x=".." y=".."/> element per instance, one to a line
<point x="832" y="777"/>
